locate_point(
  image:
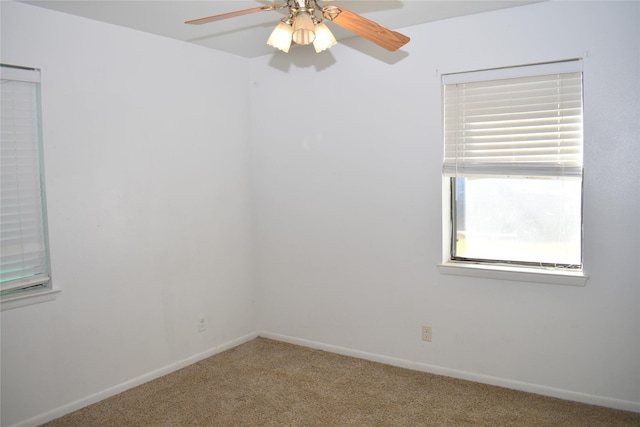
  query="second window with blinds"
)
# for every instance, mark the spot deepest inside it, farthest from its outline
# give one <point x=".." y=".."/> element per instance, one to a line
<point x="24" y="260"/>
<point x="513" y="166"/>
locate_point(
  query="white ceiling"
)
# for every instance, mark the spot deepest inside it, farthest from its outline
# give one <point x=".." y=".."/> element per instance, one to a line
<point x="246" y="35"/>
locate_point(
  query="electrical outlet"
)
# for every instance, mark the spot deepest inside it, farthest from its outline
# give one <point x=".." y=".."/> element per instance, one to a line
<point x="202" y="324"/>
<point x="426" y="333"/>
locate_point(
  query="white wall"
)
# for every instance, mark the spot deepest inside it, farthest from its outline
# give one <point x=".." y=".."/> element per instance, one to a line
<point x="146" y="173"/>
<point x="347" y="160"/>
<point x="151" y="223"/>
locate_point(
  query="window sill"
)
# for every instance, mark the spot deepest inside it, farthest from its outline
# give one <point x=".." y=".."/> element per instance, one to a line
<point x="29" y="297"/>
<point x="519" y="274"/>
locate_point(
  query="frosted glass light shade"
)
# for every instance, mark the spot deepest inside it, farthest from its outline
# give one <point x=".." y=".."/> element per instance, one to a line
<point x="280" y="38"/>
<point x="303" y="29"/>
<point x="324" y="38"/>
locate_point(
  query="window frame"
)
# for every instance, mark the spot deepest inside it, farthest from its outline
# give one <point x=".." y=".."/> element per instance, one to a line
<point x="41" y="290"/>
<point x="497" y="269"/>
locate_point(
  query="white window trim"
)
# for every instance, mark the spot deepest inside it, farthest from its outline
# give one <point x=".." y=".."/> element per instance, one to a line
<point x="499" y="271"/>
<point x="29" y="297"/>
<point x="517" y="274"/>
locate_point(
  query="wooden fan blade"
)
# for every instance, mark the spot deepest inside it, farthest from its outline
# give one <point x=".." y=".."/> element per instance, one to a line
<point x="233" y="14"/>
<point x="384" y="37"/>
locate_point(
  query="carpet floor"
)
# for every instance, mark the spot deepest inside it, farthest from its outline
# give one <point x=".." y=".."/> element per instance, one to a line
<point x="271" y="383"/>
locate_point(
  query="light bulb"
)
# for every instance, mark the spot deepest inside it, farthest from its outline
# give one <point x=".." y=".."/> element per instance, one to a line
<point x="324" y="38"/>
<point x="280" y="38"/>
<point x="303" y="29"/>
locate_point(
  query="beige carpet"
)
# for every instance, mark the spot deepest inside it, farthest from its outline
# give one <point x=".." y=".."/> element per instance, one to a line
<point x="270" y="383"/>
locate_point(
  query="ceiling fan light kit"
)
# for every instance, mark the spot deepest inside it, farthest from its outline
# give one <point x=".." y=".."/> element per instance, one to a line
<point x="281" y="37"/>
<point x="303" y="26"/>
<point x="324" y="38"/>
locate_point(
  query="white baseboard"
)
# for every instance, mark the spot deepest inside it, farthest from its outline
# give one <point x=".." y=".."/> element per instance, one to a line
<point x="470" y="376"/>
<point x="150" y="376"/>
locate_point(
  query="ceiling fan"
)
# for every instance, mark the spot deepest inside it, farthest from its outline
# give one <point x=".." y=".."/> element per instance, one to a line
<point x="305" y="25"/>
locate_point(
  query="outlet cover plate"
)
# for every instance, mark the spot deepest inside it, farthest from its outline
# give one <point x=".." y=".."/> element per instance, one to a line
<point x="427" y="334"/>
<point x="202" y="324"/>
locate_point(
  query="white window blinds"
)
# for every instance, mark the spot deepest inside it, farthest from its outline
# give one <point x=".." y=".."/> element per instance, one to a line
<point x="524" y="121"/>
<point x="24" y="260"/>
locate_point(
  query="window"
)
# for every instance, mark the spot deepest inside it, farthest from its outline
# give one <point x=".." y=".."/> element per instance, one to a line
<point x="24" y="261"/>
<point x="513" y="167"/>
